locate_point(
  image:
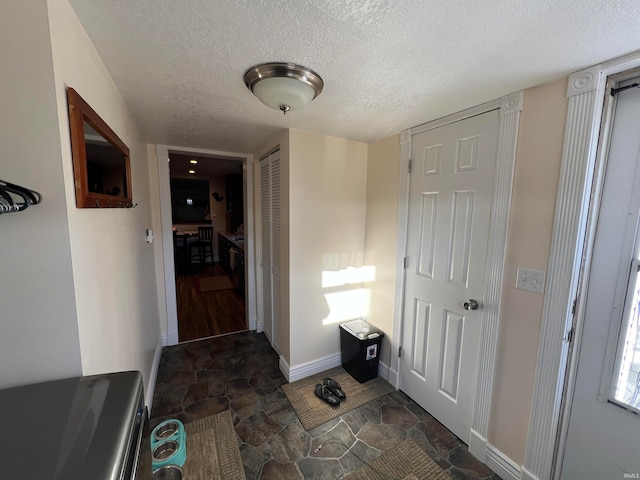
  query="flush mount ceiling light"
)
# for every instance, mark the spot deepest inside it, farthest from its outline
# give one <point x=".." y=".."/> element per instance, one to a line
<point x="283" y="86"/>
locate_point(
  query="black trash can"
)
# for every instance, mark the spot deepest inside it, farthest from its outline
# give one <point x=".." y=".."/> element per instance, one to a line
<point x="360" y="346"/>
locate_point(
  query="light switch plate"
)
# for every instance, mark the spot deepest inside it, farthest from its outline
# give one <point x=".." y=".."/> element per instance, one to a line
<point x="530" y="280"/>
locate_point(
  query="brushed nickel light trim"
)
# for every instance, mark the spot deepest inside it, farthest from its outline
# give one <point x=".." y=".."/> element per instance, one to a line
<point x="273" y="70"/>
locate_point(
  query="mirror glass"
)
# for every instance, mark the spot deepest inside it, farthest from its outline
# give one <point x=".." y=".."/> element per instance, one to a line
<point x="101" y="165"/>
<point x="106" y="165"/>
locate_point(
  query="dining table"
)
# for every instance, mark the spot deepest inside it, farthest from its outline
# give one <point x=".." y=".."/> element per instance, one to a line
<point x="181" y="248"/>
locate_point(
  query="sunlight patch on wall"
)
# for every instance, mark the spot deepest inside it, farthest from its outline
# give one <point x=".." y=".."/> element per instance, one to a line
<point x="348" y="276"/>
<point x="346" y="305"/>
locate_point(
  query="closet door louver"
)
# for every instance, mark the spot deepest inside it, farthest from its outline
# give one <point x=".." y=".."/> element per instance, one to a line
<point x="275" y="248"/>
<point x="271" y="255"/>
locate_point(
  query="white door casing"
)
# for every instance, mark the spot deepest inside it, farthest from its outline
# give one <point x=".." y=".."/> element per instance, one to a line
<point x="449" y="212"/>
<point x="164" y="259"/>
<point x="510" y="107"/>
<point x="602" y="439"/>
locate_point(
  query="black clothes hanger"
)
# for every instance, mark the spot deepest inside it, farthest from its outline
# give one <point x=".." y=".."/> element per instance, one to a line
<point x="7" y="193"/>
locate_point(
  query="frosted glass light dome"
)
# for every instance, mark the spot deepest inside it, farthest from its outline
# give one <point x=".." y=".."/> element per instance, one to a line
<point x="283" y="86"/>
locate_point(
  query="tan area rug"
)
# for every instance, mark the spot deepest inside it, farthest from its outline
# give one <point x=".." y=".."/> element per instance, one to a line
<point x="313" y="411"/>
<point x="406" y="461"/>
<point x="212" y="449"/>
<point x="211" y="284"/>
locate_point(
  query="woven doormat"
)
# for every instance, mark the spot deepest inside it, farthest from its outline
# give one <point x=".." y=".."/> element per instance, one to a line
<point x="313" y="411"/>
<point x="212" y="449"/>
<point x="212" y="284"/>
<point x="406" y="461"/>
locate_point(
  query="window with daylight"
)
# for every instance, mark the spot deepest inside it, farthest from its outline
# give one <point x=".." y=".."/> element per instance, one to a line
<point x="626" y="379"/>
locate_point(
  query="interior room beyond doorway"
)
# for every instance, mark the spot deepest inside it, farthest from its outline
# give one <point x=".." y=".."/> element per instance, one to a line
<point x="207" y="211"/>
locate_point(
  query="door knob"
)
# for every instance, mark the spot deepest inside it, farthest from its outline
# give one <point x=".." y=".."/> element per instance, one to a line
<point x="470" y="304"/>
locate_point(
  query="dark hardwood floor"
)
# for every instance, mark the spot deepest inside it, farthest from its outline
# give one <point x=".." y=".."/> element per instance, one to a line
<point x="208" y="313"/>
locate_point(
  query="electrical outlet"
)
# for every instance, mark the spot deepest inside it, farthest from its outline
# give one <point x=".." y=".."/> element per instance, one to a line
<point x="530" y="280"/>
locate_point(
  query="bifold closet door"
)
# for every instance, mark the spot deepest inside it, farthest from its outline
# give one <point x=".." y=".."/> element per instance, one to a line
<point x="271" y="245"/>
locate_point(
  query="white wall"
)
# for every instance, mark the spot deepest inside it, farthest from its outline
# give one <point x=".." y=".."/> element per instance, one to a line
<point x="113" y="267"/>
<point x="38" y="326"/>
<point x="327" y="204"/>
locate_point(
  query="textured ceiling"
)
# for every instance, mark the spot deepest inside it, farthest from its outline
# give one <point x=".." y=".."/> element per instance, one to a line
<point x="387" y="64"/>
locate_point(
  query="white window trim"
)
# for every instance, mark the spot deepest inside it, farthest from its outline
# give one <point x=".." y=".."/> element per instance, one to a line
<point x="586" y="93"/>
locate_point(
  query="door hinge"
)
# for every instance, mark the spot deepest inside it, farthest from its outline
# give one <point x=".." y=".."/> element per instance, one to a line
<point x="409" y="165"/>
<point x="399" y="352"/>
<point x="573" y="307"/>
<point x="569" y="337"/>
<point x="405" y="262"/>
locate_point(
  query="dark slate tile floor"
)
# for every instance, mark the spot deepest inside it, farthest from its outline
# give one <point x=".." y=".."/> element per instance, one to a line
<point x="240" y="372"/>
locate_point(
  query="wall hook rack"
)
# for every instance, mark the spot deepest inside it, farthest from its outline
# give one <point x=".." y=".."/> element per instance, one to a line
<point x="115" y="204"/>
<point x="14" y="198"/>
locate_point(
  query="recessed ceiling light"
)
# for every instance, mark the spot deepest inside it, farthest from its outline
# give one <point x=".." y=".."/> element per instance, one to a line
<point x="192" y="172"/>
<point x="193" y="161"/>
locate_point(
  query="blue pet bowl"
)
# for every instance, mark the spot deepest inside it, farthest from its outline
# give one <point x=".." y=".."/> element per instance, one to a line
<point x="168" y="444"/>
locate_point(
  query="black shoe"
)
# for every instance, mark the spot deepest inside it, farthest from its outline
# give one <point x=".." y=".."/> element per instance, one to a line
<point x="335" y="388"/>
<point x="326" y="394"/>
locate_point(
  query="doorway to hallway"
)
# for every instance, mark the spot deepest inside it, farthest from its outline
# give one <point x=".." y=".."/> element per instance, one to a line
<point x="166" y="256"/>
<point x="207" y="211"/>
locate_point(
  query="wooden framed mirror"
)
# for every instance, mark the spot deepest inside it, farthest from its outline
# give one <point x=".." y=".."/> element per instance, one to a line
<point x="101" y="165"/>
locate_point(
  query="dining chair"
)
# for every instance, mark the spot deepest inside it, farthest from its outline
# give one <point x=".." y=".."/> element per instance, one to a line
<point x="181" y="259"/>
<point x="204" y="245"/>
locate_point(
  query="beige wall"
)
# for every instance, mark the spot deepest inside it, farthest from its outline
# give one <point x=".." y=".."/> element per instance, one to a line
<point x="38" y="323"/>
<point x="383" y="183"/>
<point x="539" y="155"/>
<point x="327" y="208"/>
<point x="113" y="266"/>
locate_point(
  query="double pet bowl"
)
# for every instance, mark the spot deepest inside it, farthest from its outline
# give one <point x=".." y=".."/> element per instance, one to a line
<point x="168" y="450"/>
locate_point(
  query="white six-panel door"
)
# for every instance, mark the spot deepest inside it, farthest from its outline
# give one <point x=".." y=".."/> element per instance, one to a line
<point x="450" y="197"/>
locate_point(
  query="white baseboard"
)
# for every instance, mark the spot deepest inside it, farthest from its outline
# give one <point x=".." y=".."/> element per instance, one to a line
<point x="393" y="376"/>
<point x="318" y="365"/>
<point x="284" y="367"/>
<point x="493" y="458"/>
<point x="477" y="445"/>
<point x="497" y="461"/>
<point x="383" y="371"/>
<point x="527" y="475"/>
<point x="153" y="376"/>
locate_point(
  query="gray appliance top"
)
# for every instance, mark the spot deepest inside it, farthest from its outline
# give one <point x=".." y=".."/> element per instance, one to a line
<point x="72" y="429"/>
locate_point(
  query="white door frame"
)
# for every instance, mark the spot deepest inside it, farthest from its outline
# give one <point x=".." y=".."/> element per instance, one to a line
<point x="162" y="156"/>
<point x="510" y="107"/>
<point x="547" y="423"/>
